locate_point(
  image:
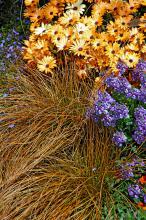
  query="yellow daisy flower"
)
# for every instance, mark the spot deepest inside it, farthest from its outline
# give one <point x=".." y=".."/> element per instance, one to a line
<point x="60" y="44"/>
<point x="78" y="47"/>
<point x="123" y="22"/>
<point x="33" y="26"/>
<point x="78" y="7"/>
<point x="97" y="43"/>
<point x="81" y="28"/>
<point x="50" y="11"/>
<point x="43" y="29"/>
<point x="31" y="2"/>
<point x="130" y="58"/>
<point x="115" y="6"/>
<point x="122" y="35"/>
<point x="112" y="50"/>
<point x="132" y="47"/>
<point x="41" y="44"/>
<point x="133" y="5"/>
<point x="112" y="28"/>
<point x="97" y="20"/>
<point x="36" y="15"/>
<point x="143" y="49"/>
<point x="55" y="30"/>
<point x="69" y="18"/>
<point x="100" y="8"/>
<point x="46" y="64"/>
<point x="139" y="38"/>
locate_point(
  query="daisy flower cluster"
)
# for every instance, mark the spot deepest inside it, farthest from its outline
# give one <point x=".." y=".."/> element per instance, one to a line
<point x="97" y="34"/>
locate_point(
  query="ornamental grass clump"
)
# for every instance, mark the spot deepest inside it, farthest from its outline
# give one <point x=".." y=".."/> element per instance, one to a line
<point x="98" y="34"/>
<point x="55" y="163"/>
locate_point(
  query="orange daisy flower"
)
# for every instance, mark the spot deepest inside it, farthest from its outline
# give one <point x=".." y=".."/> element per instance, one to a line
<point x="50" y="11"/>
<point x="36" y="15"/>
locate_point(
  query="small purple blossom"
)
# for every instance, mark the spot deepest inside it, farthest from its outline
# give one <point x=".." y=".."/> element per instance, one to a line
<point x="134" y="191"/>
<point x="139" y="134"/>
<point x="128" y="169"/>
<point x="5" y="95"/>
<point x="119" y="138"/>
<point x="122" y="68"/>
<point x="144" y="198"/>
<point x="119" y="84"/>
<point x="106" y="109"/>
<point x="11" y="126"/>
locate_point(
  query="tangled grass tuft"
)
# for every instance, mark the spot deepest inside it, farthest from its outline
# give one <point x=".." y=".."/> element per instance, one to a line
<point x="55" y="164"/>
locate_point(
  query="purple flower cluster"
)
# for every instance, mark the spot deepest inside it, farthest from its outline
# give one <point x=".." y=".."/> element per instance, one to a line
<point x="140" y="119"/>
<point x="135" y="191"/>
<point x="128" y="169"/>
<point x="138" y="73"/>
<point x="121" y="85"/>
<point x="106" y="109"/>
<point x="10" y="46"/>
<point x="119" y="138"/>
<point x="122" y="67"/>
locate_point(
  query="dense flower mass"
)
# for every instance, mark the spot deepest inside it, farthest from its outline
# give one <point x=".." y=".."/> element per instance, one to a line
<point x="140" y="119"/>
<point x="122" y="85"/>
<point x="12" y="32"/>
<point x="106" y="109"/>
<point x="131" y="168"/>
<point x="98" y="34"/>
<point x="9" y="47"/>
<point x="135" y="191"/>
<point x="123" y="101"/>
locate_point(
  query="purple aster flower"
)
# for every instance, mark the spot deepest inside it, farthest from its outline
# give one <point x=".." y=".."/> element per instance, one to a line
<point x="11" y="126"/>
<point x="8" y="38"/>
<point x="138" y="72"/>
<point x="107" y="109"/>
<point x="11" y="89"/>
<point x="127" y="169"/>
<point x="134" y="191"/>
<point x="144" y="198"/>
<point x="119" y="138"/>
<point x="1" y="45"/>
<point x="122" y="68"/>
<point x="141" y="65"/>
<point x="119" y="111"/>
<point x="11" y="48"/>
<point x="21" y="37"/>
<point x="139" y="136"/>
<point x="108" y="120"/>
<point x="15" y="32"/>
<point x="8" y="55"/>
<point x="5" y="95"/>
<point x="27" y="21"/>
<point x="126" y="172"/>
<point x="119" y="84"/>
